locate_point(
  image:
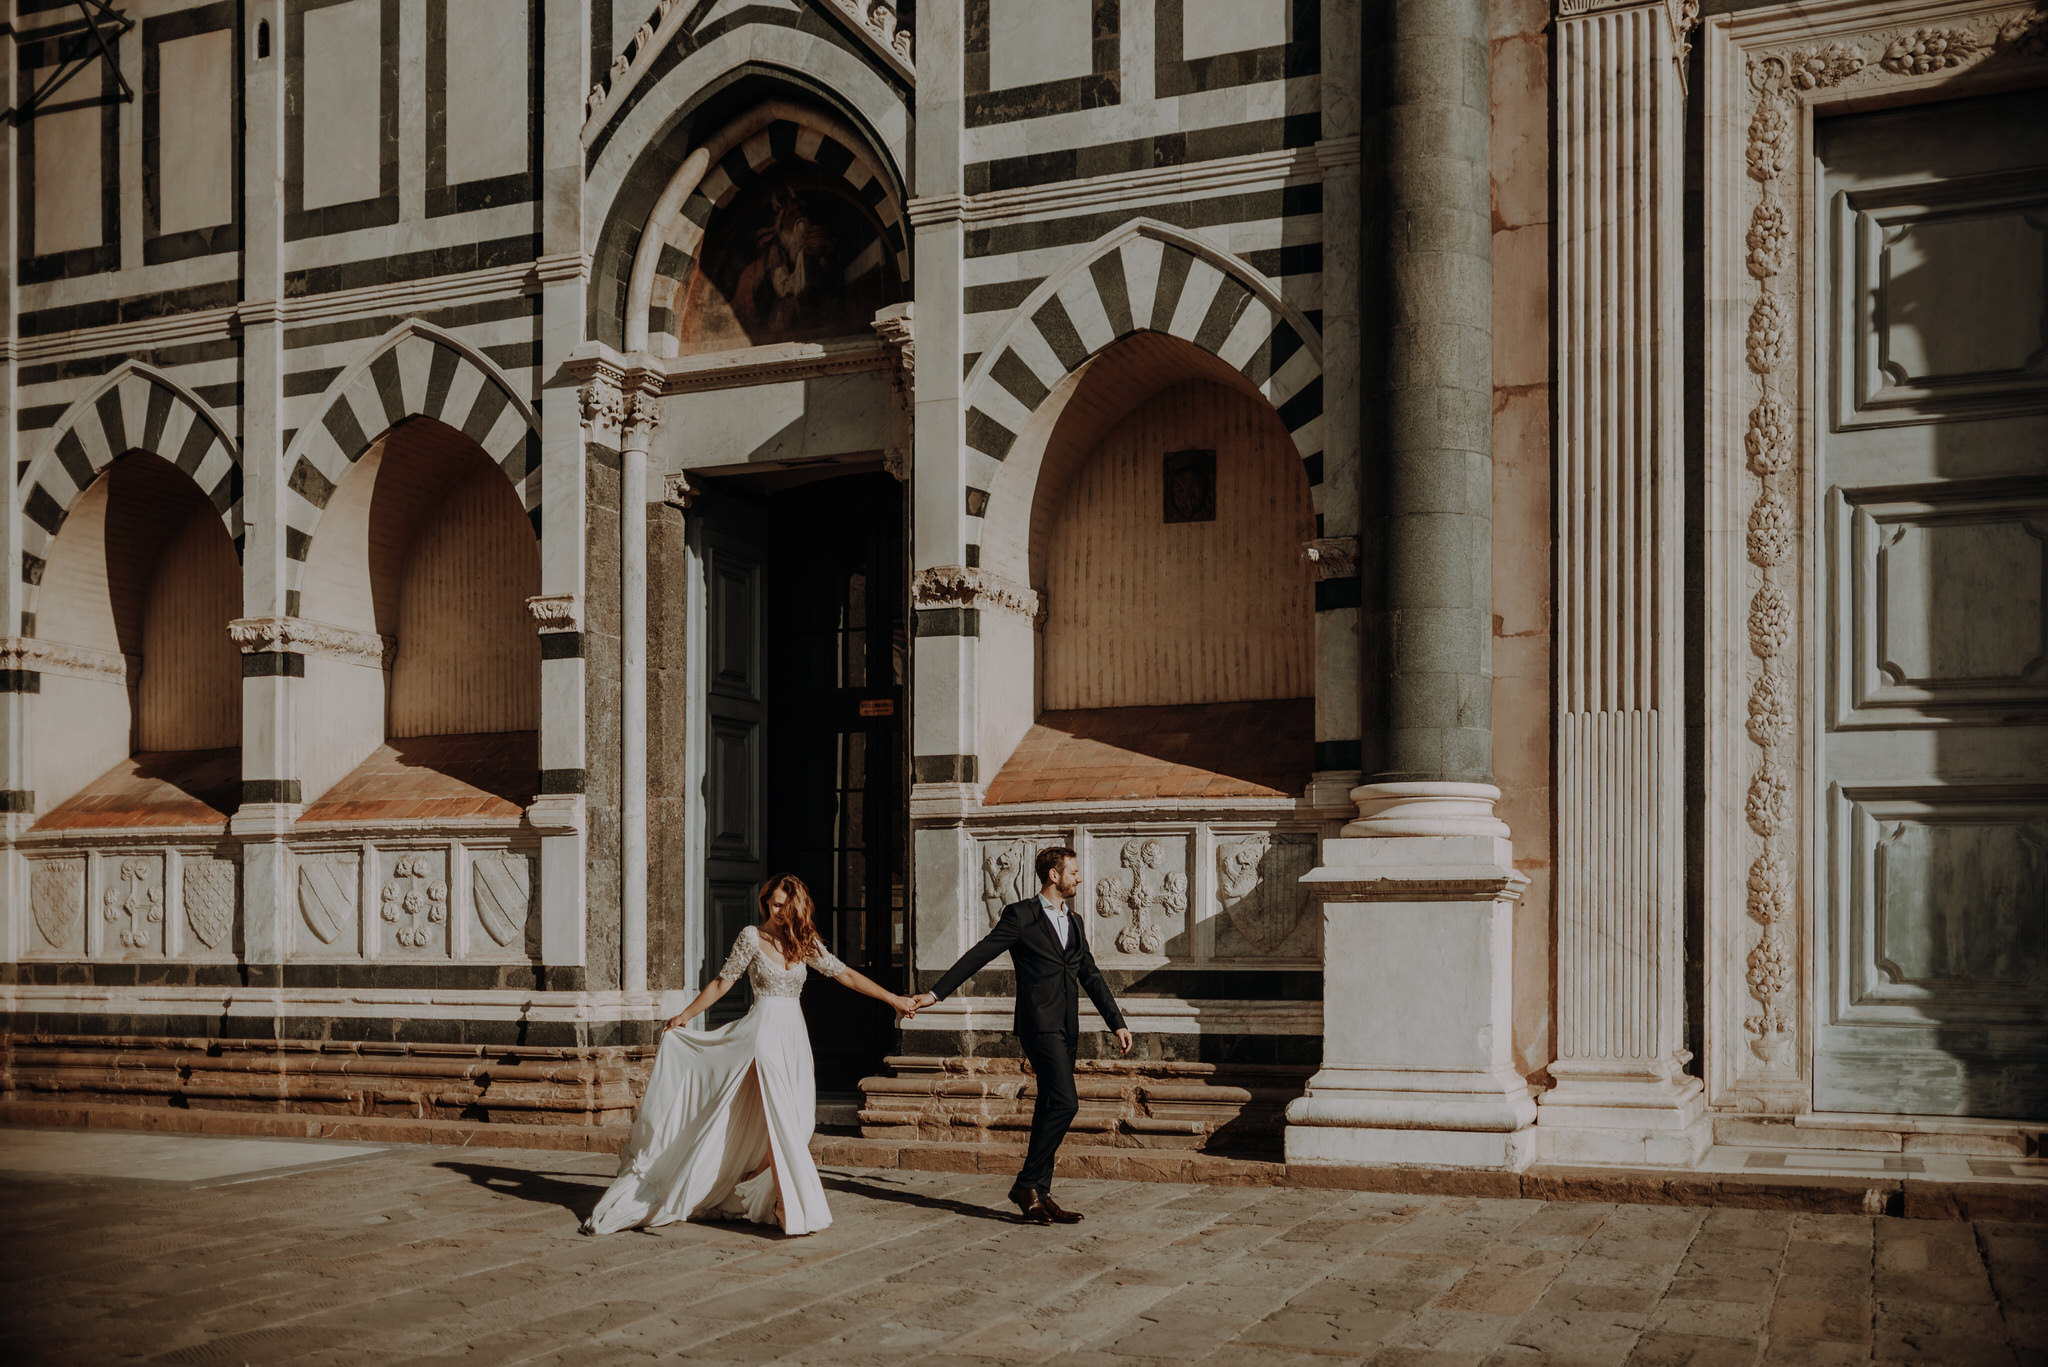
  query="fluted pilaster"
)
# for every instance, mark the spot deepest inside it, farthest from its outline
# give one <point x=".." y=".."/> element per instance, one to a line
<point x="1621" y="1093"/>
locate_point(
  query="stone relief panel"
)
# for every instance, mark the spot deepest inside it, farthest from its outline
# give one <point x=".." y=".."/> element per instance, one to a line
<point x="56" y="901"/>
<point x="412" y="904"/>
<point x="1266" y="912"/>
<point x="1008" y="870"/>
<point x="501" y="891"/>
<point x="132" y="903"/>
<point x="1945" y="610"/>
<point x="211" y="888"/>
<point x="327" y="905"/>
<point x="1141" y="891"/>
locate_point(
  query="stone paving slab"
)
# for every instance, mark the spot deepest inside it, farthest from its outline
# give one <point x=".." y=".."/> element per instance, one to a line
<point x="1937" y="1187"/>
<point x="426" y="1255"/>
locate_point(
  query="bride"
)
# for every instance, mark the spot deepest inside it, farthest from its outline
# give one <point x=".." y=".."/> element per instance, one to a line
<point x="724" y="1129"/>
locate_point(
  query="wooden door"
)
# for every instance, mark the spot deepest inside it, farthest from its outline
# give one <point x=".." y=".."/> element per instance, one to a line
<point x="735" y="711"/>
<point x="1932" y="984"/>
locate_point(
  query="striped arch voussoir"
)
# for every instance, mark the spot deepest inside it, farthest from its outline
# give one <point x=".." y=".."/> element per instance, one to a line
<point x="1149" y="276"/>
<point x="415" y="371"/>
<point x="783" y="140"/>
<point x="135" y="408"/>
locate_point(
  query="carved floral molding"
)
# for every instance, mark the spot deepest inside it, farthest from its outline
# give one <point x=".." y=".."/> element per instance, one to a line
<point x="257" y="635"/>
<point x="970" y="587"/>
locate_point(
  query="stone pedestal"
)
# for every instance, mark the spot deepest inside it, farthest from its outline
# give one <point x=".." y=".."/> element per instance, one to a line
<point x="1418" y="1059"/>
<point x="1621" y="1095"/>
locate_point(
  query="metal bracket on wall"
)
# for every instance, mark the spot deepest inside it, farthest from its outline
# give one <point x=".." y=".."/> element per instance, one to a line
<point x="105" y="24"/>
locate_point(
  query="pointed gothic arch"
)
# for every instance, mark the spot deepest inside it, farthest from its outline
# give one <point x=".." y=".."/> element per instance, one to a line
<point x="415" y="371"/>
<point x="135" y="407"/>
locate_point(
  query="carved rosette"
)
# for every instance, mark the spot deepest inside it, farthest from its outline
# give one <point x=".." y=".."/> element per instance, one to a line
<point x="1780" y="81"/>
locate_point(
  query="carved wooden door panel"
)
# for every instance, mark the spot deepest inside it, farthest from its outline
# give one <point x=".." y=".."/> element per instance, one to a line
<point x="736" y="714"/>
<point x="1932" y="981"/>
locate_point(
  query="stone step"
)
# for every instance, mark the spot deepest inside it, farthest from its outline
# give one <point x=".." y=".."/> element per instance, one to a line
<point x="1884" y="1134"/>
<point x="1893" y="1194"/>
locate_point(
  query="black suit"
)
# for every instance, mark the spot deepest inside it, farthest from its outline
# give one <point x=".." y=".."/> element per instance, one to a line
<point x="1048" y="1019"/>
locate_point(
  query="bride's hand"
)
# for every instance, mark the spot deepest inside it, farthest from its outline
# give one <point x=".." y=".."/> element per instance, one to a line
<point x="903" y="1006"/>
<point x="675" y="1022"/>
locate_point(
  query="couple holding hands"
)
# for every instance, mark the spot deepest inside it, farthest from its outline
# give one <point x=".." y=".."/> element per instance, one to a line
<point x="724" y="1128"/>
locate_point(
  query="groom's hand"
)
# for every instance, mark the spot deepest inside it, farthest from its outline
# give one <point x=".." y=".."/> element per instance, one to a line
<point x="1123" y="1040"/>
<point x="924" y="999"/>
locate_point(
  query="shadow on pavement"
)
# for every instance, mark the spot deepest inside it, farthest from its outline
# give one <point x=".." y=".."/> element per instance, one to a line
<point x="880" y="1192"/>
<point x="579" y="1198"/>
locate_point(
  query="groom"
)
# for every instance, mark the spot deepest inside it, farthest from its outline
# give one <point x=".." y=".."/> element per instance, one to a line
<point x="1050" y="955"/>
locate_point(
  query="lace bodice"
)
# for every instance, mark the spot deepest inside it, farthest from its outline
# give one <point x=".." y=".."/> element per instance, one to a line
<point x="764" y="969"/>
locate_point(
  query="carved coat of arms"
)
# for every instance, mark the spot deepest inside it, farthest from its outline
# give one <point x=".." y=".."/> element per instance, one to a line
<point x="1145" y="891"/>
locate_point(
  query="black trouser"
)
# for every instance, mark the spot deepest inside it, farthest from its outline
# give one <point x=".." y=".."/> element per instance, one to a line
<point x="1052" y="1060"/>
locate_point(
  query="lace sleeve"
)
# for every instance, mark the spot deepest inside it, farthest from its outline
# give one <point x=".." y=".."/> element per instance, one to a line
<point x="742" y="955"/>
<point x="827" y="963"/>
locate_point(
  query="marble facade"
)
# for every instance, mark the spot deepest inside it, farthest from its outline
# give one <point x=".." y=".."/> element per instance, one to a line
<point x="1521" y="767"/>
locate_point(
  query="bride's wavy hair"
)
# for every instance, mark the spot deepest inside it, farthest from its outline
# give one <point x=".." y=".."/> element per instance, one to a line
<point x="792" y="929"/>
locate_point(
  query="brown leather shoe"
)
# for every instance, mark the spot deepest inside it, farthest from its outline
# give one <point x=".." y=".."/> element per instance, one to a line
<point x="1031" y="1205"/>
<point x="1060" y="1216"/>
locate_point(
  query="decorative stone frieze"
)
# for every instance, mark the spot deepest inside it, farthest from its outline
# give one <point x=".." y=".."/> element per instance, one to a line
<point x="259" y="635"/>
<point x="972" y="587"/>
<point x="55" y="657"/>
<point x="556" y="611"/>
<point x="135" y="902"/>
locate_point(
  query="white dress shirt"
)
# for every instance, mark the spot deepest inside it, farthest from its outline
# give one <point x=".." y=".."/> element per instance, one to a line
<point x="1059" y="917"/>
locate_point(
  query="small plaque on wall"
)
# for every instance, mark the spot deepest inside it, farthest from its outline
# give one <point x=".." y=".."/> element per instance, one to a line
<point x="1189" y="486"/>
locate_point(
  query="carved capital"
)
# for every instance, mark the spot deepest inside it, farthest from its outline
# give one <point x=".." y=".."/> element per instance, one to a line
<point x="259" y="635"/>
<point x="643" y="415"/>
<point x="678" y="492"/>
<point x="896" y="325"/>
<point x="970" y="587"/>
<point x="602" y="405"/>
<point x="1334" y="557"/>
<point x="55" y="657"/>
<point x="556" y="611"/>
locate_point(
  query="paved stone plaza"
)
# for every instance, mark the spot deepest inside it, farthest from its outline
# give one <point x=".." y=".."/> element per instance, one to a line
<point x="196" y="1250"/>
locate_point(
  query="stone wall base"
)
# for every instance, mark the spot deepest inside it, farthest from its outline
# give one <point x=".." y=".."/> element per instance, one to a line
<point x="1205" y="1107"/>
<point x="528" y="1086"/>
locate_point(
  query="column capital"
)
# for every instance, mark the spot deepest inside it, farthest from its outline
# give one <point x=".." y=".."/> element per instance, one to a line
<point x="1682" y="16"/>
<point x="556" y="611"/>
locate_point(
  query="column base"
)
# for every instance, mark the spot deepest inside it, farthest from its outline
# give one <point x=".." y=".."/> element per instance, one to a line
<point x="1418" y="1068"/>
<point x="1640" y="1122"/>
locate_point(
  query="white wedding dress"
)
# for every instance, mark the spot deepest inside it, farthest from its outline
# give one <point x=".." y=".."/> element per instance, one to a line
<point x="719" y="1104"/>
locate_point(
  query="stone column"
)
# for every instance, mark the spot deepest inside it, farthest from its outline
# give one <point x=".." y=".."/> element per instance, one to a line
<point x="1622" y="1094"/>
<point x="271" y="799"/>
<point x="1418" y="895"/>
<point x="643" y="415"/>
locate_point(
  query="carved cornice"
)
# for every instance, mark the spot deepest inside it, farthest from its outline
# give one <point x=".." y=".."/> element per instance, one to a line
<point x="260" y="635"/>
<point x="55" y="657"/>
<point x="556" y="611"/>
<point x="971" y="587"/>
<point x="1334" y="557"/>
<point x="562" y="268"/>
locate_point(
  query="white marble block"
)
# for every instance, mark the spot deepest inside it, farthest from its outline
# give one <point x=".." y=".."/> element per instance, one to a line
<point x="1418" y="1062"/>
